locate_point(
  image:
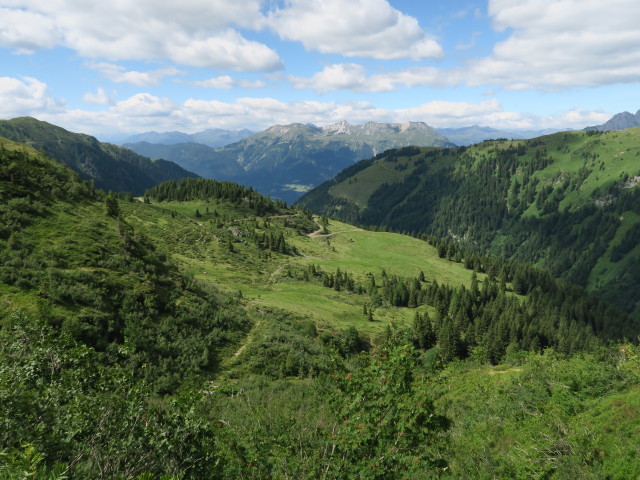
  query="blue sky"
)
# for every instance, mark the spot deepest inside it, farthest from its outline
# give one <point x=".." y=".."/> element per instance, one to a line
<point x="121" y="67"/>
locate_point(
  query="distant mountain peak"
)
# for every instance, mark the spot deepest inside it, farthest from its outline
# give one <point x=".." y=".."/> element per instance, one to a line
<point x="620" y="121"/>
<point x="342" y="127"/>
<point x="376" y="129"/>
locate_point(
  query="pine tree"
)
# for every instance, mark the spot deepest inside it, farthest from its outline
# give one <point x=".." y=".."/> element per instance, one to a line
<point x="449" y="342"/>
<point x="111" y="205"/>
<point x="423" y="334"/>
<point x="474" y="285"/>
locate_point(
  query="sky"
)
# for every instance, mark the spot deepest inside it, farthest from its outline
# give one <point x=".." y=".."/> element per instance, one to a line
<point x="119" y="67"/>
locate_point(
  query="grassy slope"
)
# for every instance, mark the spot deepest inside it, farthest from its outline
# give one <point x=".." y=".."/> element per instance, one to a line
<point x="359" y="188"/>
<point x="545" y="418"/>
<point x="601" y="162"/>
<point x="616" y="152"/>
<point x="266" y="282"/>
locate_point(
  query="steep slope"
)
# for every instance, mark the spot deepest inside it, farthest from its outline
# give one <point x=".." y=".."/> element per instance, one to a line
<point x="568" y="202"/>
<point x="620" y="121"/>
<point x="112" y="167"/>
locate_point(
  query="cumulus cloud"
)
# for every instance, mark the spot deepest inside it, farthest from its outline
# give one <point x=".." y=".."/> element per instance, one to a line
<point x="357" y="28"/>
<point x="555" y="44"/>
<point x="343" y="76"/>
<point x="27" y="31"/>
<point x="551" y="45"/>
<point x="228" y="49"/>
<point x="119" y="74"/>
<point x="144" y="112"/>
<point x="354" y="77"/>
<point x="26" y="96"/>
<point x="226" y="82"/>
<point x="451" y="113"/>
<point x="190" y="32"/>
<point x="99" y="97"/>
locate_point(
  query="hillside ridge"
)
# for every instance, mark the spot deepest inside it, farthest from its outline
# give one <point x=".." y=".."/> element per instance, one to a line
<point x="110" y="166"/>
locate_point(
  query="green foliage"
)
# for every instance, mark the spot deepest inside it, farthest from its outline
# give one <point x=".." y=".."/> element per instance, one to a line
<point x="544" y="418"/>
<point x="26" y="463"/>
<point x="96" y="419"/>
<point x="286" y="348"/>
<point x="204" y="188"/>
<point x="385" y="420"/>
<point x="111" y="205"/>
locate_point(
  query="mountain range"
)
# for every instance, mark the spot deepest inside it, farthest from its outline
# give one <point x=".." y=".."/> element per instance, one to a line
<point x="620" y="121"/>
<point x="465" y="136"/>
<point x="285" y="161"/>
<point x="111" y="167"/>
<point x="213" y="137"/>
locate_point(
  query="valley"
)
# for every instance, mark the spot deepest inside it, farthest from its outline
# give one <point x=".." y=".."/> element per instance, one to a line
<point x="285" y="161"/>
<point x="227" y="319"/>
<point x="319" y="240"/>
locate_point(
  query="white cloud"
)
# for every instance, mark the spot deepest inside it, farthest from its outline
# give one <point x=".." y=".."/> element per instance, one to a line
<point x="145" y="105"/>
<point x="354" y="77"/>
<point x="576" y="118"/>
<point x="25" y="97"/>
<point x="143" y="112"/>
<point x="450" y="113"/>
<point x="119" y="74"/>
<point x="226" y="82"/>
<point x="556" y="44"/>
<point x="228" y="49"/>
<point x="100" y="97"/>
<point x="343" y="76"/>
<point x="190" y="32"/>
<point x="551" y="45"/>
<point x="357" y="28"/>
<point x="26" y="31"/>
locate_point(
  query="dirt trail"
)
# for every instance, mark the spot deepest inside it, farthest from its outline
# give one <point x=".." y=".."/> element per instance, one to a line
<point x="316" y="233"/>
<point x="247" y="339"/>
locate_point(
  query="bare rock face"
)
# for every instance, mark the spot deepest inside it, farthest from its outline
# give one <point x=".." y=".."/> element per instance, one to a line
<point x="620" y="121"/>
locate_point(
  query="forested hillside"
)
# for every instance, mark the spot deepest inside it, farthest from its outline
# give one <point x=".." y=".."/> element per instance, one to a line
<point x="206" y="332"/>
<point x="111" y="167"/>
<point x="567" y="202"/>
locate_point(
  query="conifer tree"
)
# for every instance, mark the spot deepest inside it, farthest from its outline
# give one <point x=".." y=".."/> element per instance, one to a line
<point x="111" y="205"/>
